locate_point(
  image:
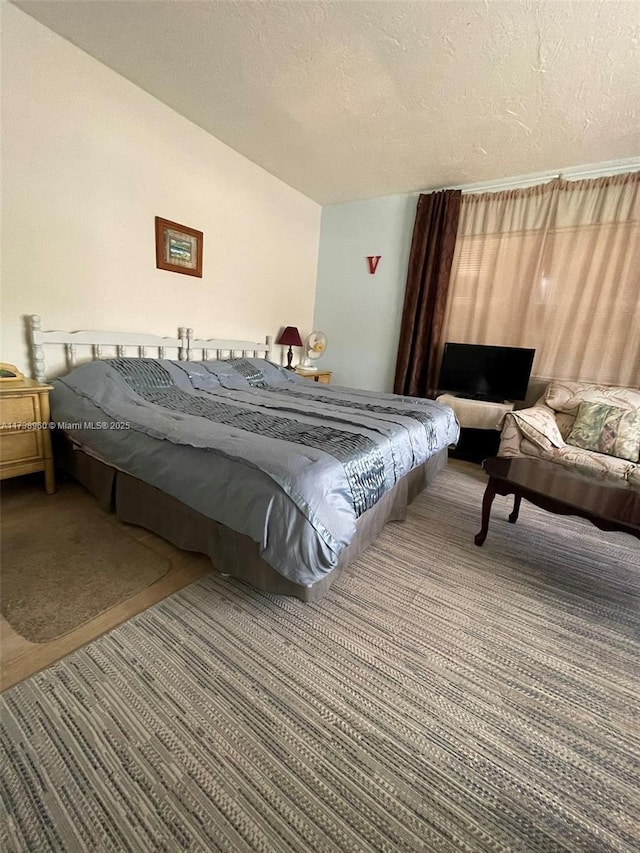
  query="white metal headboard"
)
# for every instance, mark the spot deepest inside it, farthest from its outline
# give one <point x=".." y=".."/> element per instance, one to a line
<point x="131" y="344"/>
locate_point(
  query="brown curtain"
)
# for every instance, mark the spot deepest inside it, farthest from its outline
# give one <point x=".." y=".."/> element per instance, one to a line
<point x="425" y="298"/>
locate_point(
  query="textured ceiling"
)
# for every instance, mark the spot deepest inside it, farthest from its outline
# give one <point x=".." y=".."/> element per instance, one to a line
<point x="350" y="100"/>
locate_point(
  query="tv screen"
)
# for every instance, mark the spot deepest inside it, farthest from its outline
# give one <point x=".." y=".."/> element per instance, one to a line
<point x="482" y="372"/>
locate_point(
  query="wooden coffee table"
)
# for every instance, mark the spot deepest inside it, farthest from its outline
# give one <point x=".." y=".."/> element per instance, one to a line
<point x="608" y="505"/>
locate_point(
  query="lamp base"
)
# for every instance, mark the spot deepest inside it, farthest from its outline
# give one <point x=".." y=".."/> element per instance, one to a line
<point x="289" y="358"/>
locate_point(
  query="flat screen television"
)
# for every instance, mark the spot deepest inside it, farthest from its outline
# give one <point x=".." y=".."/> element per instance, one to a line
<point x="481" y="372"/>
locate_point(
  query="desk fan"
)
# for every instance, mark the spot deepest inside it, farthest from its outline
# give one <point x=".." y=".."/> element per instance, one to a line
<point x="314" y="346"/>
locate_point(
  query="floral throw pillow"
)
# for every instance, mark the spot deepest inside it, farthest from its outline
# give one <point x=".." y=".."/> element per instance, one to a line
<point x="607" y="429"/>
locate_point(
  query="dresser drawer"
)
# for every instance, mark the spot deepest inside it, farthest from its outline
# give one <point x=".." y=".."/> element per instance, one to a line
<point x="25" y="450"/>
<point x="20" y="410"/>
<point x="20" y="446"/>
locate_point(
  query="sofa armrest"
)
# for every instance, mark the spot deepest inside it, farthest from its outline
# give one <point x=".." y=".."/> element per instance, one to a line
<point x="537" y="424"/>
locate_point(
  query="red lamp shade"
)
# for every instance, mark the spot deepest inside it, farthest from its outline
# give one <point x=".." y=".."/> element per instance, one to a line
<point x="290" y="337"/>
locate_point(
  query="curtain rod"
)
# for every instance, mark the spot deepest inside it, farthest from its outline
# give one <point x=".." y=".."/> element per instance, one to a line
<point x="599" y="170"/>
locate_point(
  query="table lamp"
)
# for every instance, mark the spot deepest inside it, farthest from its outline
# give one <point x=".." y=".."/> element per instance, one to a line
<point x="291" y="337"/>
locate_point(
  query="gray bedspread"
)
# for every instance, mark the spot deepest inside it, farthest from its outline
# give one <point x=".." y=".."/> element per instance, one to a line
<point x="290" y="463"/>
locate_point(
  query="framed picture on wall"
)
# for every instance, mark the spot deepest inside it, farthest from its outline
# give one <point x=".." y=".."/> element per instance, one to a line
<point x="178" y="248"/>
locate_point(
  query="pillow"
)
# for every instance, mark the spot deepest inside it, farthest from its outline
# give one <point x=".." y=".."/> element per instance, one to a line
<point x="539" y="426"/>
<point x="607" y="429"/>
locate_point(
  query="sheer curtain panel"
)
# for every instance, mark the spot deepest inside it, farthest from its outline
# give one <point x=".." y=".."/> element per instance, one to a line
<point x="555" y="267"/>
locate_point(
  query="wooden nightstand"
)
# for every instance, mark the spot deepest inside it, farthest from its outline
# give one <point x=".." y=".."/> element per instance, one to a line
<point x="323" y="376"/>
<point x="25" y="444"/>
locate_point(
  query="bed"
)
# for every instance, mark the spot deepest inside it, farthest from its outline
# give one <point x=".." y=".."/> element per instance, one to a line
<point x="281" y="481"/>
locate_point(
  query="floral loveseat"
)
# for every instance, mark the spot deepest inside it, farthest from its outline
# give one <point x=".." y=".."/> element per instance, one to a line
<point x="594" y="429"/>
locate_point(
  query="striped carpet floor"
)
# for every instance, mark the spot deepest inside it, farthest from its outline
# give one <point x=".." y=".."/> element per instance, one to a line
<point x="442" y="697"/>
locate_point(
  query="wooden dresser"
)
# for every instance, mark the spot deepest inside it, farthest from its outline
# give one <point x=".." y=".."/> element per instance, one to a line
<point x="25" y="441"/>
<point x="323" y="376"/>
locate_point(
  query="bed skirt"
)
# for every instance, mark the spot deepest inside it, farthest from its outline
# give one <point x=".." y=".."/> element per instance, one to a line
<point x="231" y="553"/>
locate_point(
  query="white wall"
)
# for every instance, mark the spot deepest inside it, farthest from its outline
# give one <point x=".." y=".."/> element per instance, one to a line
<point x="88" y="161"/>
<point x="361" y="313"/>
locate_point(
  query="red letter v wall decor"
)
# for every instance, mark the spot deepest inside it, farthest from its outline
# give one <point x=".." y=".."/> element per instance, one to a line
<point x="373" y="260"/>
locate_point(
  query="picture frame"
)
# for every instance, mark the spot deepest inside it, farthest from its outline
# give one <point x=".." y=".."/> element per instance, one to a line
<point x="178" y="248"/>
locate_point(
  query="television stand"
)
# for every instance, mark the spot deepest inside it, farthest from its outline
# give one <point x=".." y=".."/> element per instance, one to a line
<point x="480" y="425"/>
<point x="480" y="398"/>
